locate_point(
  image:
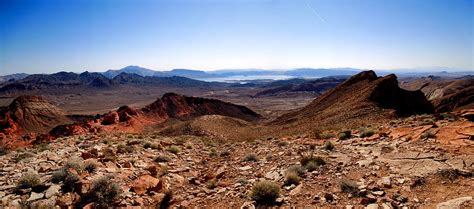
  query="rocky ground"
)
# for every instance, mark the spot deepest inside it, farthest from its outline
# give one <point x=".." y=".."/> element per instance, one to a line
<point x="413" y="162"/>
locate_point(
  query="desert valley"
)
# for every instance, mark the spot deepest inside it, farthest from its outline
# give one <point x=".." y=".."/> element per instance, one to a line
<point x="85" y="140"/>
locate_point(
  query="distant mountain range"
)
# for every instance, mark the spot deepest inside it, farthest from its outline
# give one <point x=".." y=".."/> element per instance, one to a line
<point x="291" y="73"/>
<point x="87" y="80"/>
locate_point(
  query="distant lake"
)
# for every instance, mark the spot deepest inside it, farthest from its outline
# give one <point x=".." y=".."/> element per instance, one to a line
<point x="239" y="78"/>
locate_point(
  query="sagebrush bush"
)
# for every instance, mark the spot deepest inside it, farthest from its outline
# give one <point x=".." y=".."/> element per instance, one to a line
<point x="211" y="184"/>
<point x="298" y="169"/>
<point x="108" y="155"/>
<point x="349" y="186"/>
<point x="225" y="153"/>
<point x="366" y="133"/>
<point x="29" y="180"/>
<point x="174" y="149"/>
<point x="291" y="178"/>
<point x="328" y="145"/>
<point x="265" y="192"/>
<point x="90" y="166"/>
<point x="103" y="192"/>
<point x="75" y="163"/>
<point x="122" y="148"/>
<point x="282" y="143"/>
<point x="69" y="174"/>
<point x="162" y="159"/>
<point x="251" y="157"/>
<point x="213" y="152"/>
<point x="166" y="201"/>
<point x="311" y="166"/>
<point x="428" y="135"/>
<point x="3" y="150"/>
<point x="315" y="159"/>
<point x="22" y="156"/>
<point x="328" y="136"/>
<point x="343" y="135"/>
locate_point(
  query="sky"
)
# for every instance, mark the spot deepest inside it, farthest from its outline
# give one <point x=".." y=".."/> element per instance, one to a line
<point x="45" y="36"/>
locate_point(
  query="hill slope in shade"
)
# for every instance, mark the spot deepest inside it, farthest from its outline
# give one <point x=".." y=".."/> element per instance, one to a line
<point x="445" y="94"/>
<point x="362" y="99"/>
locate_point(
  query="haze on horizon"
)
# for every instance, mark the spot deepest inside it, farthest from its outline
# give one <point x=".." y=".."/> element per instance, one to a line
<point x="45" y="36"/>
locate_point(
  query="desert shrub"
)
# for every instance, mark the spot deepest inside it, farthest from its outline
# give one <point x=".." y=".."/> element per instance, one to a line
<point x="189" y="146"/>
<point x="150" y="145"/>
<point x="166" y="201"/>
<point x="147" y="145"/>
<point x="68" y="174"/>
<point x="291" y="178"/>
<point x="328" y="136"/>
<point x="163" y="170"/>
<point x="366" y="133"/>
<point x="122" y="148"/>
<point x="108" y="155"/>
<point x="174" y="149"/>
<point x="211" y="184"/>
<point x="225" y="153"/>
<point x="67" y="177"/>
<point x="428" y="122"/>
<point x="282" y="143"/>
<point x="180" y="140"/>
<point x="298" y="169"/>
<point x="29" y="180"/>
<point x="328" y="145"/>
<point x="74" y="163"/>
<point x="311" y="166"/>
<point x="316" y="134"/>
<point x="265" y="192"/>
<point x="42" y="147"/>
<point x="162" y="159"/>
<point x="251" y="158"/>
<point x="133" y="142"/>
<point x="22" y="156"/>
<point x="349" y="186"/>
<point x="213" y="152"/>
<point x="242" y="181"/>
<point x="269" y="157"/>
<point x="318" y="161"/>
<point x="452" y="174"/>
<point x="103" y="192"/>
<point x="343" y="135"/>
<point x="90" y="166"/>
<point x="428" y="135"/>
<point x="418" y="181"/>
<point x="3" y="150"/>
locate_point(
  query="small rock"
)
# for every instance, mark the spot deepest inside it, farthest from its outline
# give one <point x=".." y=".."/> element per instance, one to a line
<point x="296" y="190"/>
<point x="378" y="193"/>
<point x="35" y="196"/>
<point x="247" y="205"/>
<point x="146" y="183"/>
<point x="372" y="206"/>
<point x="454" y="203"/>
<point x="52" y="190"/>
<point x="245" y="168"/>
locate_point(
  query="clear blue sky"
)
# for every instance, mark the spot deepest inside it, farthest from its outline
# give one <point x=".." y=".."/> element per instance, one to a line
<point x="96" y="35"/>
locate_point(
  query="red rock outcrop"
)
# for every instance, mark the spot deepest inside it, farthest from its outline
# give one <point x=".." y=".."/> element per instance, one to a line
<point x="172" y="105"/>
<point x="31" y="114"/>
<point x="127" y="119"/>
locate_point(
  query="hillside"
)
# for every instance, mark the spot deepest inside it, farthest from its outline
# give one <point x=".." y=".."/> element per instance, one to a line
<point x="28" y="115"/>
<point x="362" y="99"/>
